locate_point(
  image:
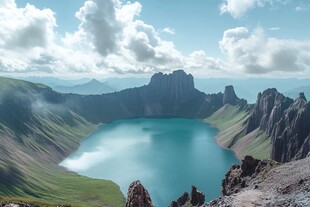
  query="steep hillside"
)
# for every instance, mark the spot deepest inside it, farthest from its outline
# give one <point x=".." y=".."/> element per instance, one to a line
<point x="230" y="120"/>
<point x="37" y="131"/>
<point x="275" y="127"/>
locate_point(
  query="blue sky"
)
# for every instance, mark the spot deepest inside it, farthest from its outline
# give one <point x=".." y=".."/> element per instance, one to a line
<point x="189" y="34"/>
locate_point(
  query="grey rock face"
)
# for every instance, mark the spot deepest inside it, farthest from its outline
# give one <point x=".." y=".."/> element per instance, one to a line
<point x="268" y="110"/>
<point x="291" y="135"/>
<point x="285" y="121"/>
<point x="230" y="96"/>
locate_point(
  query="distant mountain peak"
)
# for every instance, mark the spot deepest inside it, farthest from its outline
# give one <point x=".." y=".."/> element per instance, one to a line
<point x="94" y="81"/>
<point x="230" y="96"/>
<point x="302" y="96"/>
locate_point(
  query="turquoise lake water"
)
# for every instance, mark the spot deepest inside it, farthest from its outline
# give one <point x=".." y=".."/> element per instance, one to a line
<point x="166" y="155"/>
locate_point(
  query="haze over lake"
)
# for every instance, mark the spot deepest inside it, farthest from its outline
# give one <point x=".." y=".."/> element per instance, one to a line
<point x="166" y="155"/>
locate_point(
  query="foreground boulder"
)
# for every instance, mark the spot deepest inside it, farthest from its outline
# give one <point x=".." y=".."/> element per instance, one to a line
<point x="197" y="198"/>
<point x="138" y="196"/>
<point x="239" y="176"/>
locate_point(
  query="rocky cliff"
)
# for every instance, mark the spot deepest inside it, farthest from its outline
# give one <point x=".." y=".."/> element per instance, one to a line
<point x="285" y="121"/>
<point x="268" y="110"/>
<point x="275" y="127"/>
<point x="291" y="134"/>
<point x="166" y="95"/>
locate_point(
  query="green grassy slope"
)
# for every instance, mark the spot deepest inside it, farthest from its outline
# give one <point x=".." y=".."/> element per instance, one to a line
<point x="34" y="137"/>
<point x="230" y="122"/>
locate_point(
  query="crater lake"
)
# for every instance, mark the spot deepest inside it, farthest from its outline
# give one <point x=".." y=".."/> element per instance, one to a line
<point x="167" y="155"/>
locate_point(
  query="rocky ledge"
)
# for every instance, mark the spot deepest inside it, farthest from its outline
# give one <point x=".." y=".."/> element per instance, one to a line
<point x="270" y="184"/>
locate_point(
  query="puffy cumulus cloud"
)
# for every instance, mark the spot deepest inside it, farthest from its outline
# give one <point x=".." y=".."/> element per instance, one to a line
<point x="127" y="44"/>
<point x="238" y="8"/>
<point x="24" y="34"/>
<point x="254" y="52"/>
<point x="110" y="39"/>
<point x="98" y="20"/>
<point x="25" y="28"/>
<point x="200" y="60"/>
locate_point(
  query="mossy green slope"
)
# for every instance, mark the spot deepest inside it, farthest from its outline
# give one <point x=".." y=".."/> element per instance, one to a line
<point x="34" y="137"/>
<point x="230" y="121"/>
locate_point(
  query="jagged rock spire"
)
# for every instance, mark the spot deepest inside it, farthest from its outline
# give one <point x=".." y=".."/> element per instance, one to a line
<point x="138" y="196"/>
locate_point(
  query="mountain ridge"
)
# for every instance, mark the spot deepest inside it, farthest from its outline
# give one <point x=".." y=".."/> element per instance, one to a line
<point x="93" y="87"/>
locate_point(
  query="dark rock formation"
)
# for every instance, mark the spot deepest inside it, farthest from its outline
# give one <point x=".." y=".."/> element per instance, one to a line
<point x="285" y="121"/>
<point x="248" y="166"/>
<point x="183" y="199"/>
<point x="177" y="87"/>
<point x="291" y="135"/>
<point x="268" y="110"/>
<point x="230" y="96"/>
<point x="238" y="177"/>
<point x="138" y="196"/>
<point x="197" y="198"/>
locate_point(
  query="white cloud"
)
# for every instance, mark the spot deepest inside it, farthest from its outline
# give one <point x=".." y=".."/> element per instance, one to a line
<point x="253" y="52"/>
<point x="24" y="34"/>
<point x="111" y="39"/>
<point x="200" y="60"/>
<point x="131" y="46"/>
<point x="302" y="8"/>
<point x="238" y="8"/>
<point x="169" y="30"/>
<point x="274" y="29"/>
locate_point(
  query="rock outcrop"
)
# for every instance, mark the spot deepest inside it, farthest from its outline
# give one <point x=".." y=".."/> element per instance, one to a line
<point x="286" y="122"/>
<point x="272" y="184"/>
<point x="196" y="198"/>
<point x="291" y="135"/>
<point x="176" y="87"/>
<point x="230" y="96"/>
<point x="268" y="110"/>
<point x="138" y="196"/>
<point x="239" y="176"/>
